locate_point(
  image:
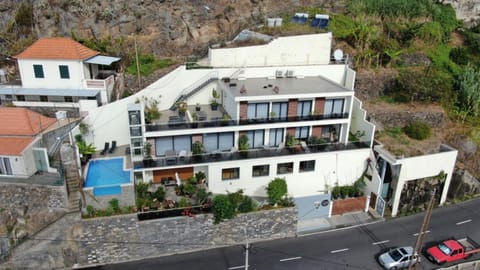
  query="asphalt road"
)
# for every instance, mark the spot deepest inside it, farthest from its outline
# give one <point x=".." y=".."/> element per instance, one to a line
<point x="350" y="248"/>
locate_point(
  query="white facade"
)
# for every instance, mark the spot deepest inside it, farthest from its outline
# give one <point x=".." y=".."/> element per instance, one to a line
<point x="22" y="166"/>
<point x="51" y="79"/>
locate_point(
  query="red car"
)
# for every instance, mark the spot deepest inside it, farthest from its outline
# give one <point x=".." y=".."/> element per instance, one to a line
<point x="452" y="250"/>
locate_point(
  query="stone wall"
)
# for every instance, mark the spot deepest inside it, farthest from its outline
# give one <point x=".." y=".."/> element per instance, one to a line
<point x="127" y="198"/>
<point x="122" y="238"/>
<point x="340" y="207"/>
<point x="403" y="118"/>
<point x="25" y="209"/>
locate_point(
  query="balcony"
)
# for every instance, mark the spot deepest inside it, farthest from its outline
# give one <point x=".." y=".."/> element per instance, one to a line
<point x="250" y="154"/>
<point x="220" y="122"/>
<point x="103" y="84"/>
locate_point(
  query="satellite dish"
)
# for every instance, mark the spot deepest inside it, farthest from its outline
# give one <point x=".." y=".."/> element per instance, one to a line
<point x="338" y="55"/>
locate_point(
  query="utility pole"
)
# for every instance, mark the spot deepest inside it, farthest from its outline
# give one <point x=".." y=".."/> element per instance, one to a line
<point x="246" y="249"/>
<point x="138" y="65"/>
<point x="421" y="235"/>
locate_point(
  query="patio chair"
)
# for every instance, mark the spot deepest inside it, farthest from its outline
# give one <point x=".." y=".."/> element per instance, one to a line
<point x="105" y="148"/>
<point x="114" y="146"/>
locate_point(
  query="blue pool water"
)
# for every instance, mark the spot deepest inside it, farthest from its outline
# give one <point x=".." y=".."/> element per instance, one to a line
<point x="106" y="175"/>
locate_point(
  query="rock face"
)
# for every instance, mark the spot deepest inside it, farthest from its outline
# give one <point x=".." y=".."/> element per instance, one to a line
<point x="164" y="28"/>
<point x="466" y="10"/>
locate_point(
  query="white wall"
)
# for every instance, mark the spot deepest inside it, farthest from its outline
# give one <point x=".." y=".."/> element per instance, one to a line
<point x="342" y="167"/>
<point x="281" y="51"/>
<point x="51" y="73"/>
<point x="359" y="122"/>
<point x="23" y="166"/>
<point x="425" y="166"/>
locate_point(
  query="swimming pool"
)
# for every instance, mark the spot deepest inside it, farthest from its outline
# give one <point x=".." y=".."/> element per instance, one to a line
<point x="106" y="176"/>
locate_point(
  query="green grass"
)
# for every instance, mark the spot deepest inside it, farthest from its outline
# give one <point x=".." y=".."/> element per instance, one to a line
<point x="148" y="64"/>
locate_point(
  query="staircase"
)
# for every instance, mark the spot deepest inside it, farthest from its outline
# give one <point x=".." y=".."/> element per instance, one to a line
<point x="195" y="87"/>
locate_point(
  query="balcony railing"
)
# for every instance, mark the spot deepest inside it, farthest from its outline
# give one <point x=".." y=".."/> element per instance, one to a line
<point x="250" y="154"/>
<point x="222" y="122"/>
<point x="104" y="84"/>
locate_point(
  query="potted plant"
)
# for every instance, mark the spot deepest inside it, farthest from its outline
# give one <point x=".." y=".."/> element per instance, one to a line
<point x="291" y="142"/>
<point x="197" y="107"/>
<point x="147" y="154"/>
<point x="214" y="101"/>
<point x="200" y="176"/>
<point x="243" y="145"/>
<point x="197" y="150"/>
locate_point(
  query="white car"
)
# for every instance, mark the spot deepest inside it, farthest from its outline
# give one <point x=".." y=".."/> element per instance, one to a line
<point x="398" y="258"/>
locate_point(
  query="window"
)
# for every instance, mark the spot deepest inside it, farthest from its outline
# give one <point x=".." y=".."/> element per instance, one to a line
<point x="304" y="108"/>
<point x="330" y="132"/>
<point x="38" y="71"/>
<point x="302" y="132"/>
<point x="134" y="117"/>
<point x="5" y="167"/>
<point x="280" y="110"/>
<point x="230" y="173"/>
<point x="307" y="166"/>
<point x="257" y="111"/>
<point x="137" y="142"/>
<point x="284" y="168"/>
<point x="176" y="143"/>
<point x="64" y="73"/>
<point x="136" y="131"/>
<point x="20" y="98"/>
<point x="43" y="98"/>
<point x="255" y="138"/>
<point x="276" y="136"/>
<point x="218" y="141"/>
<point x="333" y="107"/>
<point x="260" y="170"/>
<point x="68" y="99"/>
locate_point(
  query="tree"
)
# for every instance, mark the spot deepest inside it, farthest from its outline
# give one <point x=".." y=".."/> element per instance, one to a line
<point x="468" y="87"/>
<point x="222" y="208"/>
<point x="276" y="190"/>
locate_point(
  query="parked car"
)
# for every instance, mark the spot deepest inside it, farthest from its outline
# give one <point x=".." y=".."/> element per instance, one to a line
<point x="452" y="250"/>
<point x="398" y="258"/>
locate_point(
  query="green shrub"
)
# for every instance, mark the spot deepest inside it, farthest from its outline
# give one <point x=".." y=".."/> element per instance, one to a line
<point x="459" y="55"/>
<point x="287" y="202"/>
<point x="276" y="190"/>
<point x="418" y="130"/>
<point x="222" y="208"/>
<point x="189" y="189"/>
<point x="342" y="26"/>
<point x="445" y="15"/>
<point x="114" y="205"/>
<point x="236" y="198"/>
<point x="90" y="211"/>
<point x="148" y="64"/>
<point x="247" y="205"/>
<point x="159" y="194"/>
<point x="391" y="8"/>
<point x="183" y="202"/>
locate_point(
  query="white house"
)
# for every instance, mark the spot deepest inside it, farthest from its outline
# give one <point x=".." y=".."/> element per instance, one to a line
<point x="59" y="72"/>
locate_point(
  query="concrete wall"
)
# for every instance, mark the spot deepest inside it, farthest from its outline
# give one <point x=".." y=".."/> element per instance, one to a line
<point x="282" y="51"/>
<point x="107" y="240"/>
<point x="126" y="198"/>
<point x="51" y="73"/>
<point x="359" y="123"/>
<point x="331" y="168"/>
<point x="425" y="166"/>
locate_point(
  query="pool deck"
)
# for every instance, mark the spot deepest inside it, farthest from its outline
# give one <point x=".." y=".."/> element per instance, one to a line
<point x="119" y="152"/>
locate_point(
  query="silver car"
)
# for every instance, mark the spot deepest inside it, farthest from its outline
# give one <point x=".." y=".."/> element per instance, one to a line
<point x="398" y="258"/>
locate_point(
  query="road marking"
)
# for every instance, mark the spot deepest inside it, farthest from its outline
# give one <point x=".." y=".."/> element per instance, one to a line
<point x="463" y="222"/>
<point x="290" y="259"/>
<point x="381" y="242"/>
<point x="237" y="267"/>
<point x="339" y="250"/>
<point x="416" y="234"/>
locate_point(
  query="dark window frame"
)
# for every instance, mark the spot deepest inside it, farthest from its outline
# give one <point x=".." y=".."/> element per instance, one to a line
<point x="288" y="168"/>
<point x="44" y="98"/>
<point x="307" y="166"/>
<point x="261" y="170"/>
<point x="230" y="173"/>
<point x="64" y="72"/>
<point x="38" y="71"/>
<point x="20" y="97"/>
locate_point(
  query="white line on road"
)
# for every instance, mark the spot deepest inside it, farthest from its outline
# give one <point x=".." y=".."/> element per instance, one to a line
<point x="339" y="250"/>
<point x="381" y="242"/>
<point x="416" y="234"/>
<point x="463" y="222"/>
<point x="290" y="259"/>
<point x="237" y="267"/>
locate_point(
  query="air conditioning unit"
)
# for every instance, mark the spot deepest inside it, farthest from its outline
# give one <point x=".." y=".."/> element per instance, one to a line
<point x="279" y="73"/>
<point x="290" y="74"/>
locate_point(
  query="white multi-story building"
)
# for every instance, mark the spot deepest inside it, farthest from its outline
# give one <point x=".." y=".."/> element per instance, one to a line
<point x="60" y="72"/>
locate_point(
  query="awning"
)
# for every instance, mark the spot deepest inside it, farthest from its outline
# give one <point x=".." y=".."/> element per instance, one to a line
<point x="102" y="60"/>
<point x="48" y="92"/>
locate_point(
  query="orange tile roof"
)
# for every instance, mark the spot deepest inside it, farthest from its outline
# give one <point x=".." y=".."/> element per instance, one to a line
<point x="14" y="146"/>
<point x="57" y="48"/>
<point x="22" y="122"/>
<point x="18" y="128"/>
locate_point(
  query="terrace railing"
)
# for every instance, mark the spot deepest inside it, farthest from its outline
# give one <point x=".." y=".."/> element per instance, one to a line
<point x="220" y="122"/>
<point x="249" y="154"/>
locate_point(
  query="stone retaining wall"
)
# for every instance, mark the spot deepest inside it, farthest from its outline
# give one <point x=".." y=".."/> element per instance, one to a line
<point x="402" y="119"/>
<point x="116" y="239"/>
<point x="27" y="208"/>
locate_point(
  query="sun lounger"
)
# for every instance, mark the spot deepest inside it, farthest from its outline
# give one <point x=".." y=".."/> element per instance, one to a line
<point x="114" y="146"/>
<point x="105" y="149"/>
